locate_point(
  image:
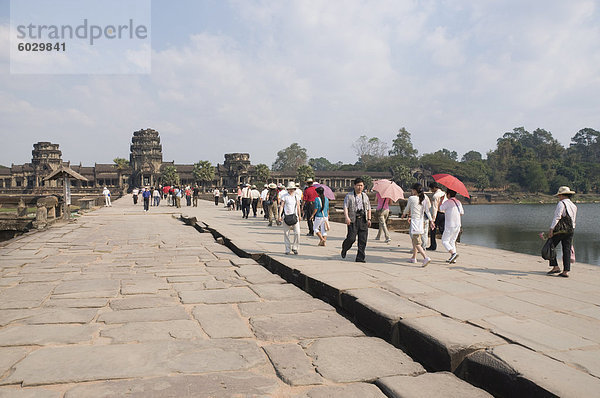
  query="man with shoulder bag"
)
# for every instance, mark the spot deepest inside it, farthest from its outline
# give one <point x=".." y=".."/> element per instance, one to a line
<point x="357" y="213"/>
<point x="290" y="214"/>
<point x="561" y="231"/>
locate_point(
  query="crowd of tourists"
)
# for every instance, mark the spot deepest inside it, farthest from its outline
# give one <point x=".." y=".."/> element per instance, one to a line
<point x="288" y="205"/>
<point x="173" y="195"/>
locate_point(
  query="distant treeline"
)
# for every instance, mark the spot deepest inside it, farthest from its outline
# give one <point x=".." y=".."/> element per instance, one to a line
<point x="522" y="161"/>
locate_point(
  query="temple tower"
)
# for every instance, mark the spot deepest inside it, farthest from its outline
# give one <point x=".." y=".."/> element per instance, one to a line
<point x="237" y="168"/>
<point x="145" y="158"/>
<point x="45" y="158"/>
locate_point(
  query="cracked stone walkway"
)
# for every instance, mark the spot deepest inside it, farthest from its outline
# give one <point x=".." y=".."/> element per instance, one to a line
<point x="123" y="302"/>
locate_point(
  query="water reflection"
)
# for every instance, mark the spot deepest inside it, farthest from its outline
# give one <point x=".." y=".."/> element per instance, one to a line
<point x="516" y="228"/>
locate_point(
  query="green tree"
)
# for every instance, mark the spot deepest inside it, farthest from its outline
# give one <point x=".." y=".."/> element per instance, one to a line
<point x="290" y="158"/>
<point x="321" y="164"/>
<point x="401" y="175"/>
<point x="586" y="145"/>
<point x="402" y="145"/>
<point x="169" y="175"/>
<point x="203" y="172"/>
<point x="303" y="172"/>
<point x="262" y="173"/>
<point x="471" y="156"/>
<point x="121" y="164"/>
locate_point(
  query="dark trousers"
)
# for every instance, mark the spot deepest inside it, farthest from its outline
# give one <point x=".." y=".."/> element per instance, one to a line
<point x="440" y="221"/>
<point x="135" y="199"/>
<point x="567" y="241"/>
<point x="360" y="228"/>
<point x="146" y="203"/>
<point x="245" y="207"/>
<point x="309" y="207"/>
<point x="216" y="200"/>
<point x="195" y="201"/>
<point x="254" y="206"/>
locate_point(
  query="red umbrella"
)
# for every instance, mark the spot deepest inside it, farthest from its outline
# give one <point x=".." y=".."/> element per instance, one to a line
<point x="326" y="191"/>
<point x="453" y="183"/>
<point x="388" y="189"/>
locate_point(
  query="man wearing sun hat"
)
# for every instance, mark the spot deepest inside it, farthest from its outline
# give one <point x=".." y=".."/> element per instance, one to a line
<point x="567" y="210"/>
<point x="290" y="205"/>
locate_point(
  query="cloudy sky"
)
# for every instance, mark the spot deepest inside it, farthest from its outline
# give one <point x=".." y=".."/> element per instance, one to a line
<point x="256" y="76"/>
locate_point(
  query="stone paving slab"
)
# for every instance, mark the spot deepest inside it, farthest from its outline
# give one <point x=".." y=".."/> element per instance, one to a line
<point x="352" y="390"/>
<point x="293" y="366"/>
<point x="228" y="384"/>
<point x="364" y="359"/>
<point x="9" y="356"/>
<point x="46" y="334"/>
<point x="144" y="315"/>
<point x="221" y="296"/>
<point x="11" y="392"/>
<point x="73" y="364"/>
<point x="442" y="384"/>
<point x="221" y="321"/>
<point x="283" y="307"/>
<point x="285" y="327"/>
<point x="151" y="331"/>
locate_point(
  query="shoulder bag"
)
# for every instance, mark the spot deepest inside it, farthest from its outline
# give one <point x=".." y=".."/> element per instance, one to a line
<point x="291" y="219"/>
<point x="565" y="224"/>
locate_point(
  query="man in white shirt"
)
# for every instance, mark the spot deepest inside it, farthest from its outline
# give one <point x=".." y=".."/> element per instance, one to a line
<point x="106" y="194"/>
<point x="135" y="194"/>
<point x="246" y="200"/>
<point x="255" y="196"/>
<point x="438" y="216"/>
<point x="289" y="206"/>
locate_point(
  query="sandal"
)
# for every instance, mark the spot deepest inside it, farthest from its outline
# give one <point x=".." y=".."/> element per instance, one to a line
<point x="553" y="271"/>
<point x="563" y="275"/>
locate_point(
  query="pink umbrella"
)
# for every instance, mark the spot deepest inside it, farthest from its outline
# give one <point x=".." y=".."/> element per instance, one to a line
<point x="327" y="191"/>
<point x="388" y="189"/>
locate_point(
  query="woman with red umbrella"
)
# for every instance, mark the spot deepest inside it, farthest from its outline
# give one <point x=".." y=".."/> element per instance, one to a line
<point x="452" y="209"/>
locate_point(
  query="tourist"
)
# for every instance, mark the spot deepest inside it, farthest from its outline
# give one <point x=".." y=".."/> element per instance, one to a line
<point x="357" y="213"/>
<point x="230" y="204"/>
<point x="195" y="194"/>
<point x="238" y="199"/>
<point x="562" y="229"/>
<point x="178" y="195"/>
<point x="225" y="197"/>
<point x="263" y="199"/>
<point x="166" y="193"/>
<point x="135" y="193"/>
<point x="452" y="209"/>
<point x="308" y="205"/>
<point x="290" y="214"/>
<point x="146" y="195"/>
<point x="106" y="194"/>
<point x="417" y="209"/>
<point x="320" y="215"/>
<point x="383" y="213"/>
<point x="156" y="196"/>
<point x="172" y="196"/>
<point x="254" y="196"/>
<point x="246" y="200"/>
<point x="216" y="195"/>
<point x="439" y="197"/>
<point x="188" y="195"/>
<point x="273" y="204"/>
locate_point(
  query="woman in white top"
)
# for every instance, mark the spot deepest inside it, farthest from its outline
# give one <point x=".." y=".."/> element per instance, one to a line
<point x="290" y="205"/>
<point x="452" y="209"/>
<point x="418" y="210"/>
<point x="564" y="208"/>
